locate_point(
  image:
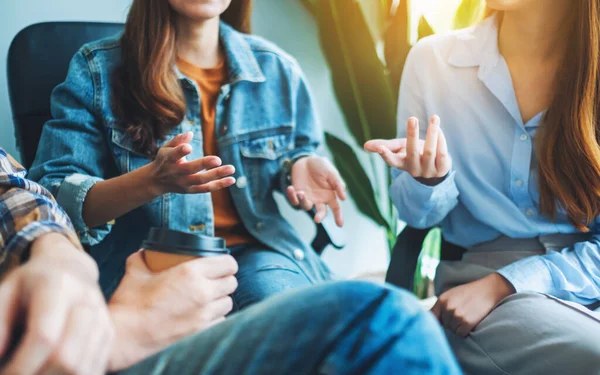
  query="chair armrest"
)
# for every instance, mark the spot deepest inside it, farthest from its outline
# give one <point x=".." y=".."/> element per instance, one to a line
<point x="405" y="256"/>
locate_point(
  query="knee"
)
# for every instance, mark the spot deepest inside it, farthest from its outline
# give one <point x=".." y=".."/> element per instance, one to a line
<point x="262" y="283"/>
<point x="349" y="297"/>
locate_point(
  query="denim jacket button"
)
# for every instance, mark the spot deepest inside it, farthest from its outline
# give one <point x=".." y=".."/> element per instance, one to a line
<point x="260" y="226"/>
<point x="242" y="182"/>
<point x="299" y="254"/>
<point x="224" y="129"/>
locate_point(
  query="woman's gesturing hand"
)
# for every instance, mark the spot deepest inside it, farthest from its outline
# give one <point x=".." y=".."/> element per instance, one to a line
<point x="317" y="183"/>
<point x="173" y="173"/>
<point x="428" y="161"/>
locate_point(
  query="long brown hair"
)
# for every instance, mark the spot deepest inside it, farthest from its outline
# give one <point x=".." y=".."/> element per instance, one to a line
<point x="568" y="142"/>
<point x="147" y="96"/>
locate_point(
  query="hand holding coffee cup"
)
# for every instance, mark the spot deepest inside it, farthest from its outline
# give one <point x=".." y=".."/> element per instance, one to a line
<point x="171" y="172"/>
<point x="182" y="300"/>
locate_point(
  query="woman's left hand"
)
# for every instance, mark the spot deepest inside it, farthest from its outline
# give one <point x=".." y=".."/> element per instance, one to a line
<point x="316" y="183"/>
<point x="462" y="308"/>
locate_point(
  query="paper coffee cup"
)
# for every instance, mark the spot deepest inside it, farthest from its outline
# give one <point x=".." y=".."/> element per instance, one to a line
<point x="165" y="248"/>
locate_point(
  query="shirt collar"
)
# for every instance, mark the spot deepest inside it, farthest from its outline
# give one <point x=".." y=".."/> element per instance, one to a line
<point x="477" y="46"/>
<point x="241" y="62"/>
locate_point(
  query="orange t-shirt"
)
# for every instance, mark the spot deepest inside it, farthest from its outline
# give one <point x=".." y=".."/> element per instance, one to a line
<point x="228" y="224"/>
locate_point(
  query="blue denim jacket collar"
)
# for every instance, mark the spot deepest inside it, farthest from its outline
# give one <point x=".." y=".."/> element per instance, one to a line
<point x="241" y="62"/>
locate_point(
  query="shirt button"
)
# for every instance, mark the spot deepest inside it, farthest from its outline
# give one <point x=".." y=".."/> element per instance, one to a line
<point x="299" y="254"/>
<point x="260" y="226"/>
<point x="242" y="182"/>
<point x="529" y="212"/>
<point x="519" y="183"/>
<point x="524" y="137"/>
<point x="227" y="96"/>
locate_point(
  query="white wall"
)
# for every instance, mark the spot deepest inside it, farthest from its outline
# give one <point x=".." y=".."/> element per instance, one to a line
<point x="283" y="21"/>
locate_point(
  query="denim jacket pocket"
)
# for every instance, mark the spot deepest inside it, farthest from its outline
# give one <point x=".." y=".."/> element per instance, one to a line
<point x="270" y="144"/>
<point x="129" y="159"/>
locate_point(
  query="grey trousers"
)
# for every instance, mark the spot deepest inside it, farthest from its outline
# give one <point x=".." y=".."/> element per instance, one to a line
<point x="527" y="333"/>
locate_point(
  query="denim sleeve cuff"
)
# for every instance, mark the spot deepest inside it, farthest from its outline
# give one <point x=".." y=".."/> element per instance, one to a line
<point x="71" y="195"/>
<point x="529" y="275"/>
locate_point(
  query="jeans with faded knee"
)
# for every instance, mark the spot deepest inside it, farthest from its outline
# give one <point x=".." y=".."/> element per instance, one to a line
<point x="336" y="328"/>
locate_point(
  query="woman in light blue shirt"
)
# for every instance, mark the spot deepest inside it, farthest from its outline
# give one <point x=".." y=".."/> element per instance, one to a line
<point x="513" y="176"/>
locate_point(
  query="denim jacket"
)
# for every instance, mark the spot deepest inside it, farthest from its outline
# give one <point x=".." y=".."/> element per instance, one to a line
<point x="265" y="120"/>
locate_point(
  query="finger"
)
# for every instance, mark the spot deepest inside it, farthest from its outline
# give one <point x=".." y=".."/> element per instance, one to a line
<point x="436" y="310"/>
<point x="447" y="316"/>
<point x="463" y="330"/>
<point x="413" y="158"/>
<point x="442" y="159"/>
<point x="215" y="174"/>
<point x="200" y="164"/>
<point x="177" y="153"/>
<point x="47" y="315"/>
<point x="430" y="148"/>
<point x="305" y="203"/>
<point x="337" y="184"/>
<point x="70" y="355"/>
<point x="394" y="160"/>
<point x="210" y="267"/>
<point x="454" y="323"/>
<point x="336" y="208"/>
<point x="321" y="212"/>
<point x="9" y="300"/>
<point x="395" y="145"/>
<point x="222" y="287"/>
<point x="97" y="357"/>
<point x="211" y="186"/>
<point x="292" y="196"/>
<point x="219" y="308"/>
<point x="136" y="263"/>
<point x="179" y="139"/>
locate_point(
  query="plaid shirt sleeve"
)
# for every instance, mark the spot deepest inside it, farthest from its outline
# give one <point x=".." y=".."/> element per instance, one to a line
<point x="27" y="211"/>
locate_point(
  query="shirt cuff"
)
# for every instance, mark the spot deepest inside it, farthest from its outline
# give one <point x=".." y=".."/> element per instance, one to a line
<point x="424" y="193"/>
<point x="529" y="275"/>
<point x="18" y="245"/>
<point x="70" y="196"/>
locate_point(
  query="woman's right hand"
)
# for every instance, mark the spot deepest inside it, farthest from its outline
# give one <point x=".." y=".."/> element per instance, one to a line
<point x="427" y="161"/>
<point x="171" y="172"/>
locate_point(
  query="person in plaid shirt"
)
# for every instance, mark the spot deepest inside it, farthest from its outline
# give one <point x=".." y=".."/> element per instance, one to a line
<point x="54" y="319"/>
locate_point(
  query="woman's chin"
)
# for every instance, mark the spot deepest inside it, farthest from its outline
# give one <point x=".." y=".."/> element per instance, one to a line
<point x="199" y="10"/>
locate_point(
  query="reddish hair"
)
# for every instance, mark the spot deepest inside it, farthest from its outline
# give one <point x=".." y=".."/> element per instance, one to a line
<point x="147" y="96"/>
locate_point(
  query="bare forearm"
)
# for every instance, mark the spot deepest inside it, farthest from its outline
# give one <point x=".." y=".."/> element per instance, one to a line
<point x="110" y="199"/>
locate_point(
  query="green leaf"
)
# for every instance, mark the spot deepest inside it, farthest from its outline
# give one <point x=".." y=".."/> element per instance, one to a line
<point x="359" y="77"/>
<point x="425" y="28"/>
<point x="396" y="40"/>
<point x="359" y="185"/>
<point x="468" y="13"/>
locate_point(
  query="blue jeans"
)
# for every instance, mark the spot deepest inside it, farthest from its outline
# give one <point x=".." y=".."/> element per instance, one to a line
<point x="336" y="328"/>
<point x="264" y="273"/>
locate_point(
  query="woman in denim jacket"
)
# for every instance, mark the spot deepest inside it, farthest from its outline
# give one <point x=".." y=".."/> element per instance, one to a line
<point x="150" y="128"/>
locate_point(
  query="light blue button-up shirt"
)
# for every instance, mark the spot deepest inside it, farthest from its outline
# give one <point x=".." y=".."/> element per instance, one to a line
<point x="493" y="188"/>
